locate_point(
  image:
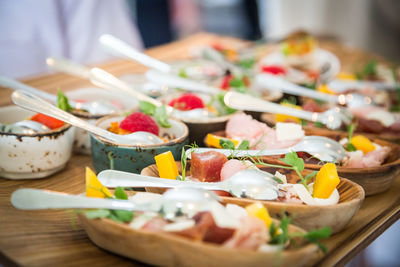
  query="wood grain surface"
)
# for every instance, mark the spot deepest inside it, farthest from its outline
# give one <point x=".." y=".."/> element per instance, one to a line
<point x="55" y="238"/>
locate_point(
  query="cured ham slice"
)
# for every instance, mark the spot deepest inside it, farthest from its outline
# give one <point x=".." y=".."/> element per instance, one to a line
<point x="206" y="166"/>
<point x="374" y="158"/>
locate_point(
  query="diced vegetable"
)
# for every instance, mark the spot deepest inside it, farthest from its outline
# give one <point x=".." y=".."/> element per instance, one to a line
<point x="346" y="76"/>
<point x="326" y="181"/>
<point x="258" y="210"/>
<point x="50" y="122"/>
<point x="214" y="140"/>
<point x="324" y="88"/>
<point x="93" y="186"/>
<point x="362" y="143"/>
<point x="166" y="165"/>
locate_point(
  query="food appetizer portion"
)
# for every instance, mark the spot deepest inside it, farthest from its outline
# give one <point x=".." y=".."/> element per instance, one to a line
<point x="299" y="192"/>
<point x="301" y="61"/>
<point x="32" y="145"/>
<point x="228" y="231"/>
<point x="150" y="123"/>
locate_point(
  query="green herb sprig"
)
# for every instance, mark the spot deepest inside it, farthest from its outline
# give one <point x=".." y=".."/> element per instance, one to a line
<point x="62" y="101"/>
<point x="184" y="155"/>
<point x="350" y="131"/>
<point x="159" y="113"/>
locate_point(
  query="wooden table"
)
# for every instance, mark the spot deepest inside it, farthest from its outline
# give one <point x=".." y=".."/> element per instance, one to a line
<point x="54" y="238"/>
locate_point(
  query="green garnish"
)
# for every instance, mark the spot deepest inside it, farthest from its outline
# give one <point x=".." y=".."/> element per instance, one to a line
<point x="182" y="73"/>
<point x="217" y="101"/>
<point x="62" y="101"/>
<point x="159" y="113"/>
<point x="238" y="84"/>
<point x="396" y="108"/>
<point x="184" y="156"/>
<point x="318" y="124"/>
<point x="295" y="163"/>
<point x="368" y="70"/>
<point x="115" y="215"/>
<point x="244" y="145"/>
<point x="247" y="63"/>
<point x="161" y="116"/>
<point x="227" y="144"/>
<point x="350" y="131"/>
<point x="281" y="237"/>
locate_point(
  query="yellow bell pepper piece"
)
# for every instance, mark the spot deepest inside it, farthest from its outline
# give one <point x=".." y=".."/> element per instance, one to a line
<point x="346" y="76"/>
<point x="166" y="165"/>
<point x="257" y="210"/>
<point x="326" y="181"/>
<point x="285" y="118"/>
<point x="362" y="143"/>
<point x="93" y="186"/>
<point x="324" y="88"/>
<point x="213" y="140"/>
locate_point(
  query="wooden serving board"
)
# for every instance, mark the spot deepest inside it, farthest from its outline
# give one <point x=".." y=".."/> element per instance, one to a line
<point x="55" y="238"/>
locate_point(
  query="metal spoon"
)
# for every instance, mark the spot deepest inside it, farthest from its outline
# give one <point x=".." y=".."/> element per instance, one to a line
<point x="332" y="118"/>
<point x="93" y="107"/>
<point x="119" y="48"/>
<point x="167" y="79"/>
<point x="340" y="85"/>
<point x="320" y="147"/>
<point x="171" y="204"/>
<point x="351" y="100"/>
<point x="108" y="81"/>
<point x="34" y="103"/>
<point x="249" y="183"/>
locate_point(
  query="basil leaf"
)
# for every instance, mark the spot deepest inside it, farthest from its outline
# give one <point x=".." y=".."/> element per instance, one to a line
<point x="293" y="160"/>
<point x="147" y="108"/>
<point x="62" y="101"/>
<point x="245" y="144"/>
<point x="97" y="214"/>
<point x="161" y="117"/>
<point x="227" y="144"/>
<point x="119" y="193"/>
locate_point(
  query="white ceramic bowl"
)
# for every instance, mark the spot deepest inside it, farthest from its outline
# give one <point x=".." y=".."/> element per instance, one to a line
<point x="82" y="139"/>
<point x="30" y="156"/>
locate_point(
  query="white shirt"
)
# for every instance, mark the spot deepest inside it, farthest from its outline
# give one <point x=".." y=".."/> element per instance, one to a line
<point x="32" y="30"/>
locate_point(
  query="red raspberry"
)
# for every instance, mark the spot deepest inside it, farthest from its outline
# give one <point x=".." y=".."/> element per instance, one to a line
<point x="187" y="102"/>
<point x="138" y="121"/>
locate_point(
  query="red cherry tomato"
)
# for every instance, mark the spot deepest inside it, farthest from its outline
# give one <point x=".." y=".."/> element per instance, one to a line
<point x="50" y="122"/>
<point x="274" y="69"/>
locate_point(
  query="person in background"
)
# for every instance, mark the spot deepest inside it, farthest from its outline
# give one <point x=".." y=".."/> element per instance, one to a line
<point x="32" y="30"/>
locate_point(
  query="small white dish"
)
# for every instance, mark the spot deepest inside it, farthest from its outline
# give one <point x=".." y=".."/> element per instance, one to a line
<point x="31" y="156"/>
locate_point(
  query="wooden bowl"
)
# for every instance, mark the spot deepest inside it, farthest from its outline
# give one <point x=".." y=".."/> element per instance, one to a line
<point x="390" y="137"/>
<point x="374" y="180"/>
<point x="307" y="217"/>
<point x="163" y="249"/>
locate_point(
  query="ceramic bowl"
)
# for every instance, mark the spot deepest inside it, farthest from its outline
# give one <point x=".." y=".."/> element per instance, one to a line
<point x="108" y="155"/>
<point x="82" y="139"/>
<point x="30" y="156"/>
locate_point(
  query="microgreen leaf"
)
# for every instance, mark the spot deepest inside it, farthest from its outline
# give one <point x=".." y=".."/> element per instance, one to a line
<point x="227" y="144"/>
<point x="97" y="214"/>
<point x="161" y="116"/>
<point x="310" y="175"/>
<point x="245" y="144"/>
<point x="316" y="235"/>
<point x="318" y="124"/>
<point x="119" y="193"/>
<point x="293" y="160"/>
<point x="183" y="163"/>
<point x="121" y="215"/>
<point x="350" y="131"/>
<point x="147" y="108"/>
<point x="182" y="73"/>
<point x="62" y="101"/>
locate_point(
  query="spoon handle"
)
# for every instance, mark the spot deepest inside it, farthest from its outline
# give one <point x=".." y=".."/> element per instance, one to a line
<point x="111" y="178"/>
<point x="291" y="88"/>
<point x="244" y="153"/>
<point x="68" y="66"/>
<point x="108" y="81"/>
<point x="246" y="102"/>
<point x="35" y="103"/>
<point x="37" y="199"/>
<point x="120" y="48"/>
<point x="16" y="85"/>
<point x="185" y="84"/>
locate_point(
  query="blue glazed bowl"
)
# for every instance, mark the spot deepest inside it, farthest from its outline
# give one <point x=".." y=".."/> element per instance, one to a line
<point x="109" y="155"/>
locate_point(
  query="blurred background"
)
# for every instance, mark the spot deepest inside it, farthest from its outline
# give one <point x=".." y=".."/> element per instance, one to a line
<point x="31" y="30"/>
